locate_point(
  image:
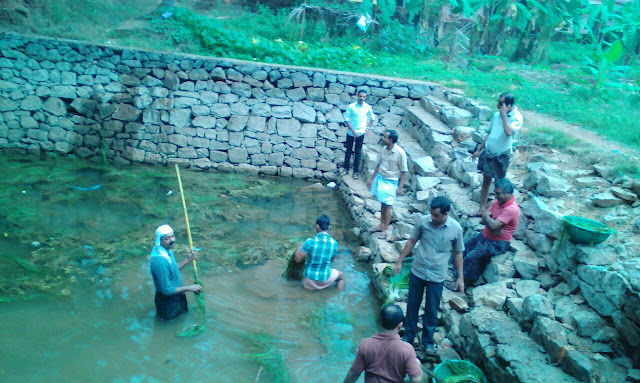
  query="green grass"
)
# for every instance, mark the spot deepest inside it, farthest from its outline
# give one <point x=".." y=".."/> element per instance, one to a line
<point x="545" y="136"/>
<point x="558" y="88"/>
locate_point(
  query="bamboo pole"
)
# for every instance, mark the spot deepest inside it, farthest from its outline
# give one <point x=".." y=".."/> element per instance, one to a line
<point x="186" y="220"/>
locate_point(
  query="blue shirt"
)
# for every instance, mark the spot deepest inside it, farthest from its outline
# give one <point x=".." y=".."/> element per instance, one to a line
<point x="319" y="250"/>
<point x="166" y="275"/>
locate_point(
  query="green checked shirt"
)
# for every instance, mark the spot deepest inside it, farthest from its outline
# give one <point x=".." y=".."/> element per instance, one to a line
<point x="319" y="250"/>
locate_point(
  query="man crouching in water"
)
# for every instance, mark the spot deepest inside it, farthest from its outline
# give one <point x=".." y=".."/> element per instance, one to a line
<point x="171" y="301"/>
<point x="319" y="252"/>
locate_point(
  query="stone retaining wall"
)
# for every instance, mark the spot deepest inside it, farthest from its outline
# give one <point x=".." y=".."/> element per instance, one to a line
<point x="136" y="106"/>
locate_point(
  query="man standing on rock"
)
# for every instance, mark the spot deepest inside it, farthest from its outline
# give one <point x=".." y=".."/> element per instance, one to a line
<point x="358" y="117"/>
<point x="494" y="153"/>
<point x="385" y="357"/>
<point x="501" y="221"/>
<point x="439" y="236"/>
<point x="171" y="301"/>
<point x="319" y="252"/>
<point x="388" y="178"/>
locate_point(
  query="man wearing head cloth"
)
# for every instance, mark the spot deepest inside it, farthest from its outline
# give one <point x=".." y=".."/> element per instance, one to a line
<point x="171" y="300"/>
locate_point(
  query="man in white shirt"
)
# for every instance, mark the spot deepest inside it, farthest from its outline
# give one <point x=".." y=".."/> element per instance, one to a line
<point x="494" y="153"/>
<point x="359" y="116"/>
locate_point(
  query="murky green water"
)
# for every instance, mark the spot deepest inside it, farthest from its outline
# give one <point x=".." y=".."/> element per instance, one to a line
<point x="80" y="307"/>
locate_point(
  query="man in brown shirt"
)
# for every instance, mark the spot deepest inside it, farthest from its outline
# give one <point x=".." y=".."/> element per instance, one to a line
<point x="384" y="357"/>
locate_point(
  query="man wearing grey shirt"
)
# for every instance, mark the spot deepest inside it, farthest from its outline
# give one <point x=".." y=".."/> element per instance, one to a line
<point x="439" y="236"/>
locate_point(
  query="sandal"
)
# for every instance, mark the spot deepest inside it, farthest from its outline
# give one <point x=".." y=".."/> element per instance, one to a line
<point x="355" y="176"/>
<point x="382" y="235"/>
<point x="450" y="285"/>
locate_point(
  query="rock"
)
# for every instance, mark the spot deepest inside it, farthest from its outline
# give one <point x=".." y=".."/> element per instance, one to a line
<point x="238" y="155"/>
<point x="31" y="103"/>
<point x="424" y="166"/>
<point x="535" y="306"/>
<point x="462" y="133"/>
<point x="539" y="242"/>
<point x="527" y="264"/>
<point x="551" y="335"/>
<point x="545" y="220"/>
<point x="362" y="254"/>
<point x="605" y="171"/>
<point x="303" y="112"/>
<point x="527" y="288"/>
<point x="586" y="322"/>
<point x="491" y="295"/>
<point x="125" y="112"/>
<point x="288" y="127"/>
<point x="577" y="364"/>
<point x="564" y="310"/>
<point x="605" y="200"/>
<point x="427" y="183"/>
<point x="624" y="194"/>
<point x="55" y="106"/>
<point x="591" y="182"/>
<point x="552" y="186"/>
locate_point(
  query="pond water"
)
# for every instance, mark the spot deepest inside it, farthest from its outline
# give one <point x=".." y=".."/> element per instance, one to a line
<point x="78" y="305"/>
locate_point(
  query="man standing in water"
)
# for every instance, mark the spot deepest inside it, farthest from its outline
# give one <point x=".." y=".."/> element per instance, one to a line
<point x="385" y="357"/>
<point x="494" y="154"/>
<point x="358" y="117"/>
<point x="319" y="252"/>
<point x="170" y="299"/>
<point x="388" y="178"/>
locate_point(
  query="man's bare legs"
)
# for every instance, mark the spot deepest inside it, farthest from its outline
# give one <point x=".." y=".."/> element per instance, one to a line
<point x="340" y="281"/>
<point x="385" y="220"/>
<point x="484" y="196"/>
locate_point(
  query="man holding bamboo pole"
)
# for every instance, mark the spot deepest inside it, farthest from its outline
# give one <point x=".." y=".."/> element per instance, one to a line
<point x="170" y="299"/>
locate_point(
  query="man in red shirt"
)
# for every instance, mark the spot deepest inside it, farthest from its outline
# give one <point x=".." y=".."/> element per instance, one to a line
<point x="385" y="357"/>
<point x="501" y="221"/>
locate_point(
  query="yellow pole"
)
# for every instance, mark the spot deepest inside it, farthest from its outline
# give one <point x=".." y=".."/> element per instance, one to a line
<point x="186" y="219"/>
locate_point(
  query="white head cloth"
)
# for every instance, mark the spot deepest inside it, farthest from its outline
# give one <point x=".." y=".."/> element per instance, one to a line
<point x="158" y="249"/>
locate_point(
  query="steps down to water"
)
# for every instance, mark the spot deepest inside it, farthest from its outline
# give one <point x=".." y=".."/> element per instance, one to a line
<point x="439" y="164"/>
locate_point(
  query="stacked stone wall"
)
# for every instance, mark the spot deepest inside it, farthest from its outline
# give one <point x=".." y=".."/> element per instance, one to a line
<point x="137" y="106"/>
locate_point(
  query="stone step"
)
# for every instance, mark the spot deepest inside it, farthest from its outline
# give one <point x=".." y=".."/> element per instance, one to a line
<point x="447" y="112"/>
<point x="495" y="342"/>
<point x="429" y="120"/>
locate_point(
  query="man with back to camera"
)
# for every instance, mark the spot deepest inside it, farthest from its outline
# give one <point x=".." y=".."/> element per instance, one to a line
<point x="385" y="357"/>
<point x="494" y="154"/>
<point x="319" y="252"/>
<point x="437" y="235"/>
<point x="170" y="299"/>
<point x="358" y="117"/>
<point x="501" y="221"/>
<point x="388" y="178"/>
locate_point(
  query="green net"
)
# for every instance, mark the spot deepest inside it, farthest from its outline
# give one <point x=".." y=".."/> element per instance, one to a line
<point x="201" y="326"/>
<point x="265" y="352"/>
<point x="459" y="371"/>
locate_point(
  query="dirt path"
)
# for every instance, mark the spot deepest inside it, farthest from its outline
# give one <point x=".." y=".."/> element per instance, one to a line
<point x="536" y="119"/>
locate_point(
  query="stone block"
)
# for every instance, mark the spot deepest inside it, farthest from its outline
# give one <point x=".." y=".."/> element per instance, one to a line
<point x="526" y="288"/>
<point x="551" y="335"/>
<point x="535" y="306"/>
<point x="238" y="155"/>
<point x="606" y="199"/>
<point x="303" y="112"/>
<point x="492" y="295"/>
<point x="527" y="264"/>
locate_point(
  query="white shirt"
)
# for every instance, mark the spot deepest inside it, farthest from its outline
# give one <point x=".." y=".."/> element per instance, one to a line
<point x="359" y="117"/>
<point x="498" y="142"/>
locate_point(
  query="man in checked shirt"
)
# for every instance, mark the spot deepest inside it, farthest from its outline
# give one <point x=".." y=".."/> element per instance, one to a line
<point x="319" y="251"/>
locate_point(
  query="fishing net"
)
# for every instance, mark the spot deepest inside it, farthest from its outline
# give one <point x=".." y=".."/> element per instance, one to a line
<point x="264" y="352"/>
<point x="201" y="326"/>
<point x="294" y="269"/>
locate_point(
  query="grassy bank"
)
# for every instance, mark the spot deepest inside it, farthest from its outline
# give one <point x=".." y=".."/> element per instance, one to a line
<point x="560" y="87"/>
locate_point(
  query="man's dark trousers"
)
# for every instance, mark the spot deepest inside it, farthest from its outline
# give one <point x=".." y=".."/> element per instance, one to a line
<point x="431" y="305"/>
<point x="358" y="151"/>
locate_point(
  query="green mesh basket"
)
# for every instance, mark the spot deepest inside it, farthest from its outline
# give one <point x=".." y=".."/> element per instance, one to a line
<point x="459" y="371"/>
